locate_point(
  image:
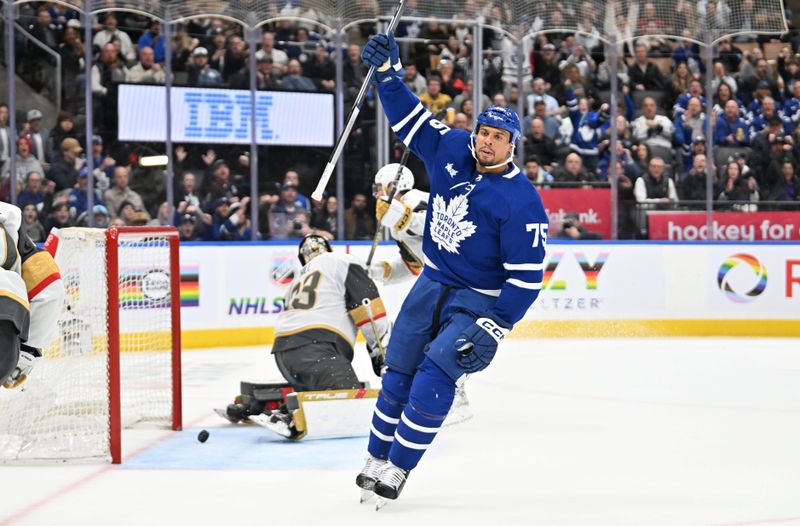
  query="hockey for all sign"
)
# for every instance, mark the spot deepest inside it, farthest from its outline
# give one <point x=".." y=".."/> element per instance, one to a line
<point x="727" y="226"/>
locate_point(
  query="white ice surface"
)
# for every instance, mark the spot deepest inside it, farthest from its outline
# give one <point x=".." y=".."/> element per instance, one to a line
<point x="676" y="432"/>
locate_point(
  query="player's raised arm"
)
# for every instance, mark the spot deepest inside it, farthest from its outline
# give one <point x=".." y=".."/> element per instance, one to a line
<point x="409" y="119"/>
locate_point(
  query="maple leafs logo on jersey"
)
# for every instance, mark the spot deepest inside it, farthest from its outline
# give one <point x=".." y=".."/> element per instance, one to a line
<point x="452" y="171"/>
<point x="448" y="227"/>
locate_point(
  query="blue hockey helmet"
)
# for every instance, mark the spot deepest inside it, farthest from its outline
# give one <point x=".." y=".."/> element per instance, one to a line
<point x="500" y="117"/>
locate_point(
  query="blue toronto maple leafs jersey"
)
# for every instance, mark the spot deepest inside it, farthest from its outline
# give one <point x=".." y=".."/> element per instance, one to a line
<point x="483" y="231"/>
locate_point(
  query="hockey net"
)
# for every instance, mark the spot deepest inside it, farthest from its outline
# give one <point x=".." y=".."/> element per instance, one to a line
<point x="116" y="359"/>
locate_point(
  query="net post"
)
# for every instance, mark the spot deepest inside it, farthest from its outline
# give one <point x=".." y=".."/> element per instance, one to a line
<point x="112" y="304"/>
<point x="175" y="307"/>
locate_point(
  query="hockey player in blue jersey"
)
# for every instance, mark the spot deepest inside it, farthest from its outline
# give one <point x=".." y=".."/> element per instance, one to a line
<point x="483" y="248"/>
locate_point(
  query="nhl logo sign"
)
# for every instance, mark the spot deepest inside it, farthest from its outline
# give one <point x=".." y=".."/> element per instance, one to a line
<point x="283" y="269"/>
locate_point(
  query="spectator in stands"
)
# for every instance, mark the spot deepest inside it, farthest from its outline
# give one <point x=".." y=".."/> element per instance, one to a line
<point x="217" y="181"/>
<point x="359" y="222"/>
<point x="787" y="188"/>
<point x="433" y="99"/>
<point x="762" y="92"/>
<point x="321" y="69"/>
<point x="72" y="56"/>
<point x="25" y="161"/>
<point x="654" y="186"/>
<point x="237" y="225"/>
<point x="147" y="71"/>
<point x="78" y="198"/>
<point x="581" y="60"/>
<point x="729" y="55"/>
<point x="745" y="19"/>
<point x="217" y="50"/>
<point x="236" y="56"/>
<point x="466" y="95"/>
<point x="280" y="60"/>
<point x="768" y="113"/>
<point x="294" y="78"/>
<point x="763" y="78"/>
<point x="325" y="220"/>
<point x="39" y="59"/>
<point x="107" y="74"/>
<point x="571" y="228"/>
<point x="412" y="79"/>
<point x="688" y="126"/>
<point x="111" y="32"/>
<point x="64" y="172"/>
<point x="572" y="171"/>
<point x="152" y="39"/>
<point x="731" y="130"/>
<point x="695" y="90"/>
<point x="723" y="94"/>
<point x="735" y="187"/>
<point x="693" y="184"/>
<point x="539" y="92"/>
<point x="789" y="70"/>
<point x="539" y="145"/>
<point x="301" y="47"/>
<point x="102" y="161"/>
<point x="353" y="72"/>
<point x="30" y="219"/>
<point x="101" y="216"/>
<point x="187" y="199"/>
<point x="536" y="173"/>
<point x="59" y="217"/>
<point x="644" y="75"/>
<point x="200" y="71"/>
<point x="266" y="78"/>
<point x="38" y="136"/>
<point x="721" y="75"/>
<point x="462" y="121"/>
<point x="187" y="230"/>
<point x="65" y="127"/>
<point x="5" y="136"/>
<point x="653" y="130"/>
<point x="285" y="219"/>
<point x="603" y="79"/>
<point x="452" y="84"/>
<point x="586" y="127"/>
<point x="120" y="192"/>
<point x="162" y="216"/>
<point x="791" y="107"/>
<point x="292" y="177"/>
<point x="546" y="64"/>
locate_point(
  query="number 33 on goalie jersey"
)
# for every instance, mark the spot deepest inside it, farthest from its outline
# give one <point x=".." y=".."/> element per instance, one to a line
<point x="329" y="294"/>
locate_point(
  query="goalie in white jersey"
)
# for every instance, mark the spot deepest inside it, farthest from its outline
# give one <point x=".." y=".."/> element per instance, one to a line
<point x="31" y="294"/>
<point x="328" y="302"/>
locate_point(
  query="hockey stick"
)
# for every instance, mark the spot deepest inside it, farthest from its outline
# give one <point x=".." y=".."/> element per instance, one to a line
<point x="351" y="119"/>
<point x="376" y="238"/>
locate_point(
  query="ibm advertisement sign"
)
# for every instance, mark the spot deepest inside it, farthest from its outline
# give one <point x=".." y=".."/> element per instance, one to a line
<point x="206" y="115"/>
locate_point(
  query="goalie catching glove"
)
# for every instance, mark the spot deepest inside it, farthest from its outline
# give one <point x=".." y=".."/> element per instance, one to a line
<point x="396" y="215"/>
<point x="477" y="344"/>
<point x="28" y="356"/>
<point x="382" y="52"/>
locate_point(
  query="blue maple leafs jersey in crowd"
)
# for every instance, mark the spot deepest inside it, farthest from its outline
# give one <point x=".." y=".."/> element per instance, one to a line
<point x="487" y="232"/>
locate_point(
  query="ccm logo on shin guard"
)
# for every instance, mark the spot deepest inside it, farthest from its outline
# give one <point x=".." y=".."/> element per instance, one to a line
<point x="495" y="331"/>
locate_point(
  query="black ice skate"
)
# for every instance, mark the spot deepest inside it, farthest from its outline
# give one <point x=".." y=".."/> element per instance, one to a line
<point x="368" y="476"/>
<point x="390" y="483"/>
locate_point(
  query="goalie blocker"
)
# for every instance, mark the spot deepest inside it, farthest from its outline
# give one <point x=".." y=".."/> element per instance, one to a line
<point x="315" y="414"/>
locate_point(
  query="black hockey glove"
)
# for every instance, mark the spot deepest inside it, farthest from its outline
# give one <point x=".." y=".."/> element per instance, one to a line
<point x="477" y="344"/>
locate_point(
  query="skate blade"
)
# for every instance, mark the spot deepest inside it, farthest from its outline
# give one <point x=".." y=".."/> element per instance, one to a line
<point x="366" y="496"/>
<point x="382" y="502"/>
<point x="13" y="384"/>
<point x="263" y="421"/>
<point x="224" y="414"/>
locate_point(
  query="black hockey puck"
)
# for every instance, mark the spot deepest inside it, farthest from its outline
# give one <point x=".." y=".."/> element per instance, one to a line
<point x="202" y="436"/>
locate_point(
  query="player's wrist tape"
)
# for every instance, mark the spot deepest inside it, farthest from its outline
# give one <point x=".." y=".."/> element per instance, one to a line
<point x="490" y="326"/>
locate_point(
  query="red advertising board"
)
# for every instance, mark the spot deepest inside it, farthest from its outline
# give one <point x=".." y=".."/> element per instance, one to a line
<point x="727" y="226"/>
<point x="593" y="206"/>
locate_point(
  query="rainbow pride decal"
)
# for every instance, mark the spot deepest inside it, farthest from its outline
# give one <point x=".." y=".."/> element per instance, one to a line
<point x="733" y="261"/>
<point x="190" y="286"/>
<point x="552" y="264"/>
<point x="591" y="271"/>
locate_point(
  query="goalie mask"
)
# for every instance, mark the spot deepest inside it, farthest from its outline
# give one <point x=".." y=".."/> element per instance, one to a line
<point x="312" y="246"/>
<point x="386" y="175"/>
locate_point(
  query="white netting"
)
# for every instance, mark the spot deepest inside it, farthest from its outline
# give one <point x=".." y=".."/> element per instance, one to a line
<point x="62" y="411"/>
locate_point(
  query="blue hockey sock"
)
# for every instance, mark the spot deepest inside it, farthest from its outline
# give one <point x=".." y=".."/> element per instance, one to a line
<point x="391" y="401"/>
<point x="429" y="402"/>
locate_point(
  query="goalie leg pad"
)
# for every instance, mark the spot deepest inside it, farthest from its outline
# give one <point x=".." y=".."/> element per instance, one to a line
<point x="391" y="401"/>
<point x="9" y="349"/>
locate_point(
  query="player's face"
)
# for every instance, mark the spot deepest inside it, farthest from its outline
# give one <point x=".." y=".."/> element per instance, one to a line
<point x="492" y="145"/>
